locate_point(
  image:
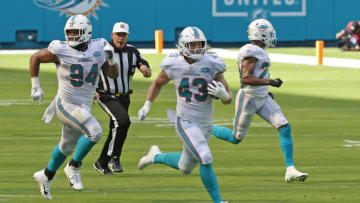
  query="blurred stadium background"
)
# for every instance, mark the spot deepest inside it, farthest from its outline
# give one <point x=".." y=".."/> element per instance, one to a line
<point x="321" y="102"/>
<point x="224" y="22"/>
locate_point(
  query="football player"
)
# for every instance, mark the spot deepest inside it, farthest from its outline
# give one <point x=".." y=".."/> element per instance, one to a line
<point x="192" y="69"/>
<point x="78" y="61"/>
<point x="254" y="98"/>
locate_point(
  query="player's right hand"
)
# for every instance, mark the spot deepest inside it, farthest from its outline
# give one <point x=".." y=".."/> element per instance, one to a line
<point x="145" y="110"/>
<point x="37" y="94"/>
<point x="276" y="83"/>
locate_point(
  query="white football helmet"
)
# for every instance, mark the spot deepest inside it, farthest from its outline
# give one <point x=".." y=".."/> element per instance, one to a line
<point x="191" y="34"/>
<point x="81" y="23"/>
<point x="262" y="30"/>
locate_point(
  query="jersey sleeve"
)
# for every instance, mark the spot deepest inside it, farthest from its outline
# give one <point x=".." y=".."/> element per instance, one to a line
<point x="219" y="64"/>
<point x="55" y="47"/>
<point x="167" y="63"/>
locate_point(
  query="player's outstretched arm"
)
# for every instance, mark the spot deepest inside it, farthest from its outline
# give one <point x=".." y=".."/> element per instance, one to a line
<point x="154" y="90"/>
<point x="41" y="56"/>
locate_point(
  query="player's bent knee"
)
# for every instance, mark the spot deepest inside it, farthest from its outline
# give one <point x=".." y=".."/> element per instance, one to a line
<point x="96" y="133"/>
<point x="207" y="159"/>
<point x="186" y="171"/>
<point x="67" y="149"/>
<point x="187" y="167"/>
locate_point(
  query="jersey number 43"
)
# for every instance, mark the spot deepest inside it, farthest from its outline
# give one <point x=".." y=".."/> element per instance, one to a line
<point x="185" y="91"/>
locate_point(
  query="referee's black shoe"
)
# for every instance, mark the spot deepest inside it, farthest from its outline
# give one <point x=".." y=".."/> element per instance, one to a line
<point x="101" y="169"/>
<point x="115" y="165"/>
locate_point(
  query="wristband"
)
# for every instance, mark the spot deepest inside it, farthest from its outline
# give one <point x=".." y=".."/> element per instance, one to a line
<point x="35" y="82"/>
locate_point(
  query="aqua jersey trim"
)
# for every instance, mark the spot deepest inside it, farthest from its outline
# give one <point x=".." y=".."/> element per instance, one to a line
<point x="187" y="140"/>
<point x="73" y="119"/>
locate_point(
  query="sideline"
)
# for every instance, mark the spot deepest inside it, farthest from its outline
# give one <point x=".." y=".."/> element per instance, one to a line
<point x="279" y="58"/>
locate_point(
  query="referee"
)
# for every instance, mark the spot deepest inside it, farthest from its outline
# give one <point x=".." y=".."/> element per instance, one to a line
<point x="114" y="98"/>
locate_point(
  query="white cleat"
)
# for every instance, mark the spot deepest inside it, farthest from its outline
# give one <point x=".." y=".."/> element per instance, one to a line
<point x="149" y="158"/>
<point x="44" y="183"/>
<point x="292" y="175"/>
<point x="73" y="175"/>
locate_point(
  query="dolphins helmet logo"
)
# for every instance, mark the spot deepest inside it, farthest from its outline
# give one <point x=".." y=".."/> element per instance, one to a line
<point x="72" y="7"/>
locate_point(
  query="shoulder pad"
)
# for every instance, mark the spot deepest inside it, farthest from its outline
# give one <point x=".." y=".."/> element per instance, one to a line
<point x="56" y="45"/>
<point x="168" y="61"/>
<point x="250" y="50"/>
<point x="100" y="40"/>
<point x="217" y="61"/>
<point x="173" y="55"/>
<point x="170" y="58"/>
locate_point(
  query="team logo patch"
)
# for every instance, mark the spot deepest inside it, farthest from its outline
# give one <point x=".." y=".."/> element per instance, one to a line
<point x="72" y="7"/>
<point x="96" y="53"/>
<point x="205" y="70"/>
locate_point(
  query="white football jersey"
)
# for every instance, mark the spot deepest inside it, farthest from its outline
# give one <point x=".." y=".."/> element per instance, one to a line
<point x="78" y="72"/>
<point x="261" y="70"/>
<point x="193" y="101"/>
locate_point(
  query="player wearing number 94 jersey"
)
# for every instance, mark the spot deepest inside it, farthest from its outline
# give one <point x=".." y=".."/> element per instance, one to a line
<point x="78" y="62"/>
<point x="192" y="70"/>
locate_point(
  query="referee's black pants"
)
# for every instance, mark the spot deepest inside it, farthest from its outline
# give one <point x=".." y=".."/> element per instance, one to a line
<point x="117" y="108"/>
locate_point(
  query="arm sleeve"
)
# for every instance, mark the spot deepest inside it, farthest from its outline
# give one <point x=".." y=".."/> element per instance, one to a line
<point x="54" y="47"/>
<point x="166" y="67"/>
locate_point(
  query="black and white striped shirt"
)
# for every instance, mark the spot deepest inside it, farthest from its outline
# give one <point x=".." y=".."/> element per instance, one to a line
<point x="127" y="59"/>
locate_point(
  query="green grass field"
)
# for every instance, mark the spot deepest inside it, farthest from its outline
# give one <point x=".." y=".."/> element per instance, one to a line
<point x="321" y="103"/>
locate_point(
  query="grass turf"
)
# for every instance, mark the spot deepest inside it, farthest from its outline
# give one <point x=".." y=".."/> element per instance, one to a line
<point x="321" y="103"/>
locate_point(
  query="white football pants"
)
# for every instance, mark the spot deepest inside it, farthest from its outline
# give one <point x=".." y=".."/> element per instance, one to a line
<point x="246" y="107"/>
<point x="76" y="121"/>
<point x="195" y="139"/>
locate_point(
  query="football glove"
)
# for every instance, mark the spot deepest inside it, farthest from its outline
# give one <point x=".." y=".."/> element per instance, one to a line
<point x="145" y="110"/>
<point x="109" y="53"/>
<point x="276" y="83"/>
<point x="217" y="89"/>
<point x="37" y="93"/>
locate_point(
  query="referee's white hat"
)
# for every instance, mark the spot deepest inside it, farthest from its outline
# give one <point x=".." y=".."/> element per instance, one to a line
<point x="121" y="27"/>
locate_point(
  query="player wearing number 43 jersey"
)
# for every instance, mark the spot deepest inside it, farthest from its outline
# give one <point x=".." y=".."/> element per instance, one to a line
<point x="253" y="98"/>
<point x="191" y="70"/>
<point x="78" y="62"/>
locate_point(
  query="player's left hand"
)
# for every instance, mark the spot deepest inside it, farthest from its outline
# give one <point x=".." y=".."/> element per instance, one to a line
<point x="276" y="83"/>
<point x="217" y="89"/>
<point x="37" y="94"/>
<point x="145" y="110"/>
<point x="109" y="53"/>
<point x="146" y="71"/>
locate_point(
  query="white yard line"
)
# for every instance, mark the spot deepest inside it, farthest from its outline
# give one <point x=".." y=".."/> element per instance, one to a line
<point x="279" y="58"/>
